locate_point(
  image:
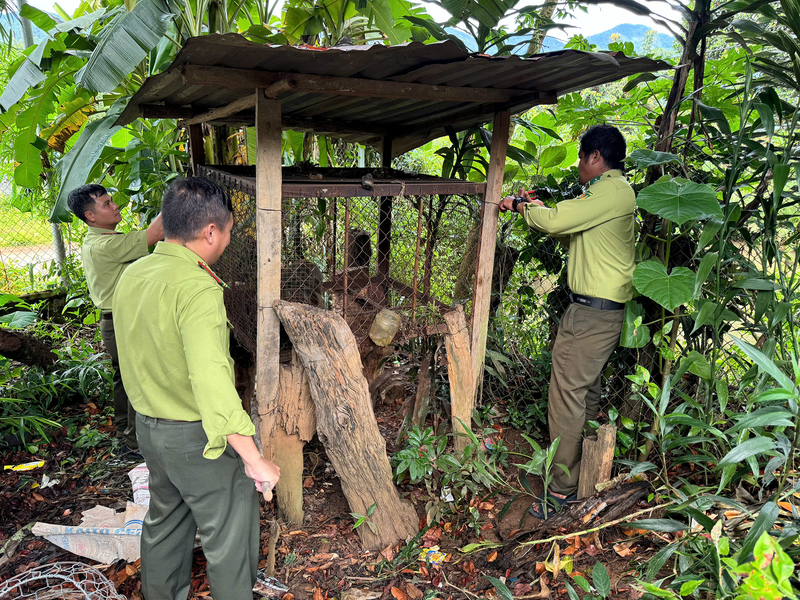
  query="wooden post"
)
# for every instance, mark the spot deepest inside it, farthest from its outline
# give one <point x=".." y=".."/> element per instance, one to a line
<point x="346" y="423"/>
<point x="459" y="372"/>
<point x="385" y="218"/>
<point x="285" y="430"/>
<point x="268" y="224"/>
<point x="197" y="151"/>
<point x="488" y="241"/>
<point x="598" y="454"/>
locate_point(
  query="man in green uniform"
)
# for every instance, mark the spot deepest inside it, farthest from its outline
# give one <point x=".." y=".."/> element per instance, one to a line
<point x="598" y="227"/>
<point x="106" y="254"/>
<point x="194" y="434"/>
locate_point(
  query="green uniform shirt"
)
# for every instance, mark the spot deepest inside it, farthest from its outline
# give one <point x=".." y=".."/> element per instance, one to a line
<point x="105" y="255"/>
<point x="173" y="337"/>
<point x="600" y="229"/>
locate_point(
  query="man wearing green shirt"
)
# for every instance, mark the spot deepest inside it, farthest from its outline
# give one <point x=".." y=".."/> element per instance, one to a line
<point x="196" y="438"/>
<point x="598" y="228"/>
<point x="106" y="254"/>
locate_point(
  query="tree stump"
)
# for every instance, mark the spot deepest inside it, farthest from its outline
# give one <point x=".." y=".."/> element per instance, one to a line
<point x="23" y="347"/>
<point x="460" y="375"/>
<point x="285" y="428"/>
<point x="345" y="422"/>
<point x="598" y="454"/>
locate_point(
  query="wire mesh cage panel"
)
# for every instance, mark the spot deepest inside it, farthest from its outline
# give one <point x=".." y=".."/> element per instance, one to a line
<point x="407" y="252"/>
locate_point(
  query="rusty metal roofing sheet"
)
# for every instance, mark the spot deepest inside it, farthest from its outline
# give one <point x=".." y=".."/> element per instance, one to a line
<point x="409" y="122"/>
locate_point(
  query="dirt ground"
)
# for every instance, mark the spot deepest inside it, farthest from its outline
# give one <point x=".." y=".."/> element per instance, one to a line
<point x="324" y="559"/>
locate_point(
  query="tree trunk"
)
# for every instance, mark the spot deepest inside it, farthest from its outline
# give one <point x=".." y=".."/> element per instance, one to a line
<point x="598" y="454"/>
<point x="285" y="427"/>
<point x="537" y="40"/>
<point x="25" y="348"/>
<point x="345" y="422"/>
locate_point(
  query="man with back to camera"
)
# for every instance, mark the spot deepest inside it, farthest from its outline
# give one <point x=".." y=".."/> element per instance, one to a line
<point x="194" y="434"/>
<point x="106" y="253"/>
<point x="598" y="228"/>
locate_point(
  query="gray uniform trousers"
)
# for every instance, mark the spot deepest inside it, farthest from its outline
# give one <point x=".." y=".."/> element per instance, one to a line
<point x="586" y="338"/>
<point x="124" y="415"/>
<point x="189" y="493"/>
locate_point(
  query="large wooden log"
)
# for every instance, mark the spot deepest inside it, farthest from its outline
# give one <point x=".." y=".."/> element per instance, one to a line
<point x="598" y="454"/>
<point x="460" y="375"/>
<point x="345" y="422"/>
<point x="24" y="348"/>
<point x="287" y="423"/>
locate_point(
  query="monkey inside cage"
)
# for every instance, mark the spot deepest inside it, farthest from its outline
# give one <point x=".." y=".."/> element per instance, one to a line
<point x="345" y="248"/>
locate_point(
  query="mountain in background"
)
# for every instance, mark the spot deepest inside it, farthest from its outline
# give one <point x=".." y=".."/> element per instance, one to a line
<point x="11" y="22"/>
<point x="628" y="32"/>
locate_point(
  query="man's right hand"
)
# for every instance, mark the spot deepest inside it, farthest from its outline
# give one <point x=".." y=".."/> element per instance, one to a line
<point x="155" y="233"/>
<point x="263" y="472"/>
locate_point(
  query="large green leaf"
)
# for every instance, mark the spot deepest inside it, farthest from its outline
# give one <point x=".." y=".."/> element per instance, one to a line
<point x="25" y="77"/>
<point x="670" y="291"/>
<point x="552" y="156"/>
<point x="663" y="525"/>
<point x="37" y="16"/>
<point x="680" y="200"/>
<point x="18" y="319"/>
<point x="769" y="416"/>
<point x="126" y="43"/>
<point x="644" y="159"/>
<point x="765" y="364"/>
<point x="78" y="162"/>
<point x="748" y="448"/>
<point x="703" y="270"/>
<point x="635" y="334"/>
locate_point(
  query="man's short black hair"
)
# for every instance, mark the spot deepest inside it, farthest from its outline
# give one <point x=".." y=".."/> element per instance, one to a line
<point x="192" y="203"/>
<point x="608" y="140"/>
<point x="82" y="199"/>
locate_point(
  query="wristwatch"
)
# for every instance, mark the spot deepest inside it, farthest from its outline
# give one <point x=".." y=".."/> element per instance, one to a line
<point x="516" y="203"/>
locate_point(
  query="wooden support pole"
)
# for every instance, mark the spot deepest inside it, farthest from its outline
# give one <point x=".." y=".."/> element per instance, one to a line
<point x="268" y="229"/>
<point x="459" y="373"/>
<point x="385" y="218"/>
<point x="598" y="454"/>
<point x="488" y="241"/>
<point x="197" y="151"/>
<point x="223" y="111"/>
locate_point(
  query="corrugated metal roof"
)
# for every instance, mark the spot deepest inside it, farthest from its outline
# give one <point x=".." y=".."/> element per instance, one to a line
<point x="408" y="122"/>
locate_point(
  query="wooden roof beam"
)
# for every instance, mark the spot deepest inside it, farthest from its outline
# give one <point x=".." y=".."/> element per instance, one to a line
<point x="224" y="77"/>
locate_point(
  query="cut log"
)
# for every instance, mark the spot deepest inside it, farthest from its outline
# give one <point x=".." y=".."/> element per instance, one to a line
<point x="286" y="425"/>
<point x="460" y="375"/>
<point x="24" y="348"/>
<point x="598" y="454"/>
<point x="345" y="422"/>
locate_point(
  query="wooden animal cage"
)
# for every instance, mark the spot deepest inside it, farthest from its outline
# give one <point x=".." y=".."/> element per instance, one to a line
<point x="351" y="241"/>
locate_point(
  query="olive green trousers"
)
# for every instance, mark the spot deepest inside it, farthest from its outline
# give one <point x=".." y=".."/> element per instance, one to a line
<point x="586" y="338"/>
<point x="190" y="494"/>
<point x="124" y="415"/>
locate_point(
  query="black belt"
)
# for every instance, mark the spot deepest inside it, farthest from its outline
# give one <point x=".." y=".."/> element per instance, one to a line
<point x="107" y="316"/>
<point x="600" y="303"/>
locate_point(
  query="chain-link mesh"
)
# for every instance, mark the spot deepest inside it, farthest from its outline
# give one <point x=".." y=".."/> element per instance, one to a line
<point x="341" y="253"/>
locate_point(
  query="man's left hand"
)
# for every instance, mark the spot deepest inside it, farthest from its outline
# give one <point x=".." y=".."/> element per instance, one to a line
<point x="507" y="204"/>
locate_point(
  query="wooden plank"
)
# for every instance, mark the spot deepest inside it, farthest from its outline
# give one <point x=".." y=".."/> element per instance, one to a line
<point x="488" y="241"/>
<point x="346" y="423"/>
<point x="598" y="454"/>
<point x="268" y="230"/>
<point x="163" y="111"/>
<point x="459" y="373"/>
<point x="197" y="151"/>
<point x="344" y="86"/>
<point x="385" y="217"/>
<point x="234" y="107"/>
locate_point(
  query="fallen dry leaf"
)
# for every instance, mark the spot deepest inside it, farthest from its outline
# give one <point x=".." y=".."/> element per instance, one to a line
<point x="413" y="591"/>
<point x="486" y="506"/>
<point x="592" y="550"/>
<point x="522" y="588"/>
<point x="307" y="483"/>
<point x="399" y="594"/>
<point x="38" y="497"/>
<point x="492" y="557"/>
<point x="622" y="549"/>
<point x="318" y="594"/>
<point x="540" y="567"/>
<point x="388" y="554"/>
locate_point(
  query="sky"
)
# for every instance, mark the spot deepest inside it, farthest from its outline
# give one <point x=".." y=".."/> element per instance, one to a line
<point x="596" y="20"/>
